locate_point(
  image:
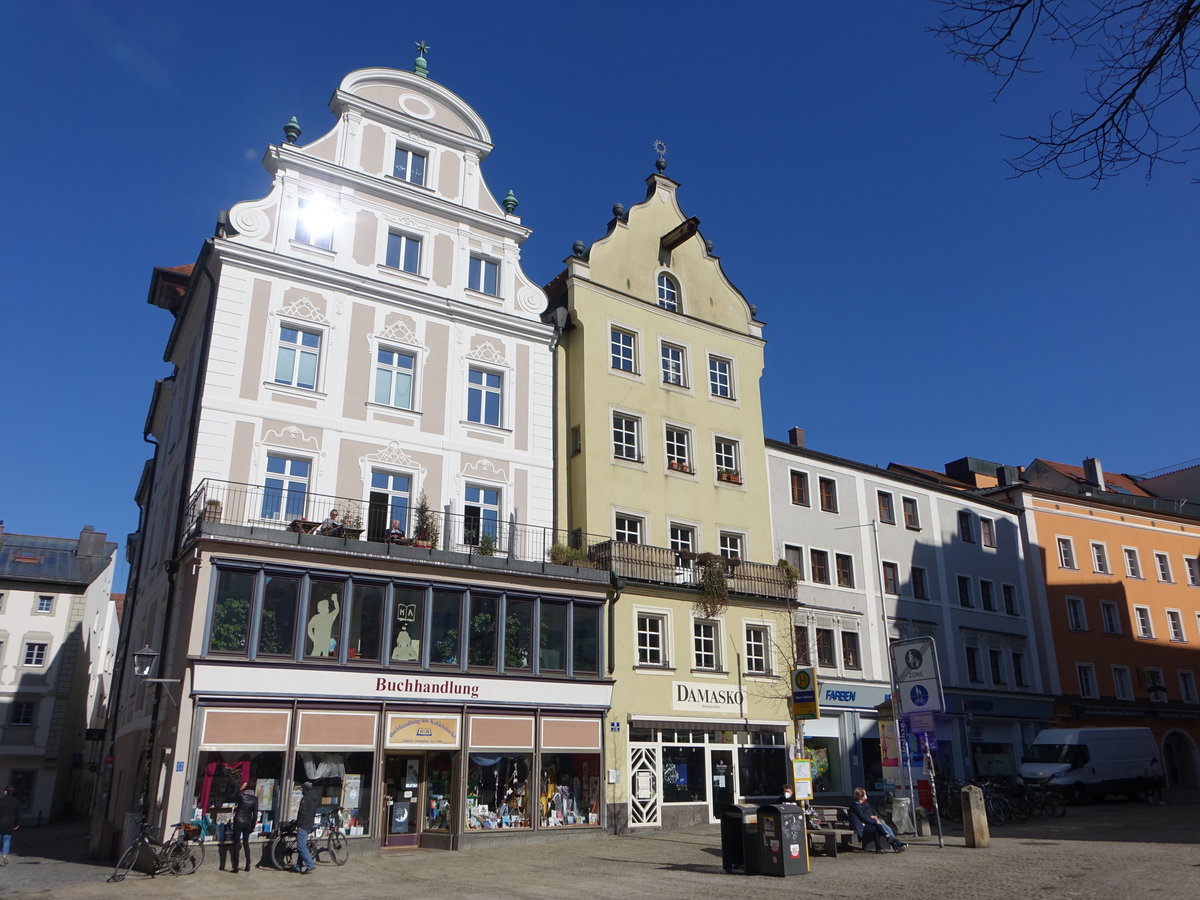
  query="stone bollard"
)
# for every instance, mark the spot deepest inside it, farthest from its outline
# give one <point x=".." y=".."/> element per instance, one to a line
<point x="923" y="827"/>
<point x="975" y="824"/>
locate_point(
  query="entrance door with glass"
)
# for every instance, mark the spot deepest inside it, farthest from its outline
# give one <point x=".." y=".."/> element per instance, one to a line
<point x="403" y="782"/>
<point x="722" y="788"/>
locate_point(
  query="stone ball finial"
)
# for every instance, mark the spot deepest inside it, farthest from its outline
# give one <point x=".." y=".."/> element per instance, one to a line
<point x="577" y="248"/>
<point x="661" y="165"/>
<point x="708" y="245"/>
<point x="291" y="130"/>
<point x="618" y="209"/>
<point x="509" y="202"/>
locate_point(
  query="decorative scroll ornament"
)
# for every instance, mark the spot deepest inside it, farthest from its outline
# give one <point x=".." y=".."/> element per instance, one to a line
<point x="485" y="352"/>
<point x="303" y="308"/>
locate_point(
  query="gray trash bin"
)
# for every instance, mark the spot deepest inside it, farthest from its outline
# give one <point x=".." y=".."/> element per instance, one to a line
<point x="783" y="845"/>
<point x="739" y="839"/>
<point x="902" y="816"/>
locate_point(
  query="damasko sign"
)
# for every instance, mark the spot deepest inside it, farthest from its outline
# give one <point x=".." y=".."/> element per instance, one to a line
<point x="692" y="696"/>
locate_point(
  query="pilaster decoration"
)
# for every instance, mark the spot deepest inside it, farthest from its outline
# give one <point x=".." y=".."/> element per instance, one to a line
<point x="485" y="468"/>
<point x="290" y="435"/>
<point x="391" y="455"/>
<point x="250" y="219"/>
<point x="486" y="353"/>
<point x="304" y="309"/>
<point x="398" y="332"/>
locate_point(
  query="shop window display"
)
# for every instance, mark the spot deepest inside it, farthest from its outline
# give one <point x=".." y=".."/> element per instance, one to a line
<point x="498" y="791"/>
<point x="344" y="780"/>
<point x="482" y="647"/>
<point x="761" y="770"/>
<point x="366" y="612"/>
<point x="553" y="649"/>
<point x="445" y="637"/>
<point x="323" y="621"/>
<point x="222" y="773"/>
<point x="441" y="773"/>
<point x="684" y="778"/>
<point x="409" y="620"/>
<point x="277" y="632"/>
<point x="585" y="640"/>
<point x="231" y="612"/>
<point x="518" y="633"/>
<point x="570" y="789"/>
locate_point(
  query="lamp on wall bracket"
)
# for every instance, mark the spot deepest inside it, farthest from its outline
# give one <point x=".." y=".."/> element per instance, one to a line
<point x="145" y="661"/>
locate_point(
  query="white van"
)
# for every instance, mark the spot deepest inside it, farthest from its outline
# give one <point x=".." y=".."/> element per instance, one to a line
<point x="1087" y="763"/>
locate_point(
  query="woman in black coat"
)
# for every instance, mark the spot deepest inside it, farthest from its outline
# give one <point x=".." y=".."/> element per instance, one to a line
<point x="245" y="815"/>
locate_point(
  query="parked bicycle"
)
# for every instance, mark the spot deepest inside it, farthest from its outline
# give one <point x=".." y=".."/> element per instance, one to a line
<point x="182" y="854"/>
<point x="327" y="843"/>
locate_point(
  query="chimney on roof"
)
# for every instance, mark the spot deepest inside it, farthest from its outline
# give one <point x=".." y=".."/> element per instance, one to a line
<point x="1093" y="473"/>
<point x="796" y="436"/>
<point x="91" y="542"/>
<point x="1007" y="476"/>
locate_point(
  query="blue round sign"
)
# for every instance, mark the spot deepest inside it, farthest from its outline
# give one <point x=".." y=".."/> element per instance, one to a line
<point x="919" y="695"/>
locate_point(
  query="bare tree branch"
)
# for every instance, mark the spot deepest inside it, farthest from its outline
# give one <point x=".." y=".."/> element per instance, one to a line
<point x="1138" y="57"/>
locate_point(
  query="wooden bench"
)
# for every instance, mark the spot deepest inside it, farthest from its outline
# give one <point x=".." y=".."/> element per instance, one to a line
<point x="830" y="830"/>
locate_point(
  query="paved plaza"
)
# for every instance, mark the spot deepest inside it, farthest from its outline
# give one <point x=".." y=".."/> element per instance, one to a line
<point x="1109" y="850"/>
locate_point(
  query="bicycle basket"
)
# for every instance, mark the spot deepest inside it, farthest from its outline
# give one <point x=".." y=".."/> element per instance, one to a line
<point x="191" y="832"/>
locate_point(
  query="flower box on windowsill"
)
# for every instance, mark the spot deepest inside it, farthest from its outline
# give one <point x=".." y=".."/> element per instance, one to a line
<point x="730" y="477"/>
<point x="677" y="465"/>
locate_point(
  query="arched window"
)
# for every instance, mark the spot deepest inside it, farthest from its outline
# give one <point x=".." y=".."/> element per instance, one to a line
<point x="668" y="292"/>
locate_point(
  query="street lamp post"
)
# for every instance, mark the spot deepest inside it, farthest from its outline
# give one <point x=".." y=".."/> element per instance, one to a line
<point x="144" y="663"/>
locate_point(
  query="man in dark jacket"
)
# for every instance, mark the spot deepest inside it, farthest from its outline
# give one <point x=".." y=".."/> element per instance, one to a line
<point x="10" y="820"/>
<point x="304" y="823"/>
<point x="245" y="814"/>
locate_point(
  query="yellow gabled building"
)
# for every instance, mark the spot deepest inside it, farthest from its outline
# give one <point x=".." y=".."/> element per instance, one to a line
<point x="661" y="478"/>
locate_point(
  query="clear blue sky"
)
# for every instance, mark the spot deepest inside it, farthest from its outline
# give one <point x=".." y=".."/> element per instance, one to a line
<point x="920" y="306"/>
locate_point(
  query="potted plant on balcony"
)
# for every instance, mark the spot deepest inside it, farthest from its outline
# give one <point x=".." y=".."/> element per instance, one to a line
<point x="564" y="555"/>
<point x="427" y="533"/>
<point x="732" y="476"/>
<point x="487" y="545"/>
<point x="791" y="575"/>
<point x="714" y="590"/>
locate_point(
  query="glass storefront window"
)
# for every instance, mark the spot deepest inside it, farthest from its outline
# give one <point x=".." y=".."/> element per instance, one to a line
<point x="323" y="620"/>
<point x="409" y="621"/>
<point x="343" y="781"/>
<point x="482" y="647"/>
<point x="552" y="649"/>
<point x="277" y="629"/>
<point x="684" y="774"/>
<point x="762" y="771"/>
<point x="366" y="611"/>
<point x="441" y="774"/>
<point x="498" y="791"/>
<point x="444" y="638"/>
<point x="518" y="633"/>
<point x="221" y="775"/>
<point x="570" y="789"/>
<point x="231" y="612"/>
<point x="585" y="639"/>
<point x="826" y="768"/>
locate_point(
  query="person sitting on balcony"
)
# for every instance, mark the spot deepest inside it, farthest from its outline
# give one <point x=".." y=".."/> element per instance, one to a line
<point x="331" y="526"/>
<point x="395" y="534"/>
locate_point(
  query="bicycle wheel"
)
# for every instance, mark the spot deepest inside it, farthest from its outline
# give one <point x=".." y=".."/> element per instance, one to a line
<point x="182" y="857"/>
<point x="125" y="863"/>
<point x="284" y="853"/>
<point x="1053" y="804"/>
<point x="339" y="848"/>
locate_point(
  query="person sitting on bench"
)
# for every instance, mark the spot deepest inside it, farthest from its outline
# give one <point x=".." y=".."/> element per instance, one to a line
<point x="395" y="534"/>
<point x="869" y="827"/>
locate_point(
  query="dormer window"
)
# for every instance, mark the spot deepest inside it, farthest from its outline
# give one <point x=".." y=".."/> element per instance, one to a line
<point x="409" y="166"/>
<point x="668" y="292"/>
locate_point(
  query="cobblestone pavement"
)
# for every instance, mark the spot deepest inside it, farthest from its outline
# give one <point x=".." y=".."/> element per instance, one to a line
<point x="1120" y="849"/>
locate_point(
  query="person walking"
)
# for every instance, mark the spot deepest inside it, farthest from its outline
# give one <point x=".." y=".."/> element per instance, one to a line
<point x="10" y="820"/>
<point x="1154" y="782"/>
<point x="245" y="814"/>
<point x="304" y="823"/>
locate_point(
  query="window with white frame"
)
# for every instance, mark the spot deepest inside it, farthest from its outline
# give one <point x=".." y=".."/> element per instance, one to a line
<point x="683" y="542"/>
<point x="987" y="598"/>
<point x="851" y="657"/>
<point x="912" y="514"/>
<point x="409" y="165"/>
<point x="627" y="437"/>
<point x="481" y="514"/>
<point x="1010" y="600"/>
<point x="1122" y="683"/>
<point x="44" y="604"/>
<point x="799" y="487"/>
<point x="1187" y="686"/>
<point x="794" y="557"/>
<point x="1133" y="564"/>
<point x="285" y="487"/>
<point x="628" y="529"/>
<point x="403" y="252"/>
<point x="891" y="578"/>
<point x="651" y="640"/>
<point x="485" y="397"/>
<point x="1076" y="615"/>
<point x="1086" y="675"/>
<point x="668" y="292"/>
<point x="1099" y="558"/>
<point x="391" y="492"/>
<point x="297" y="357"/>
<point x="757" y="642"/>
<point x="964" y="591"/>
<point x="1163" y="563"/>
<point x="705" y="644"/>
<point x="996" y="663"/>
<point x="1175" y="625"/>
<point x="720" y="377"/>
<point x="844" y="564"/>
<point x="314" y="222"/>
<point x="1145" y="625"/>
<point x="674" y="364"/>
<point x="395" y="371"/>
<point x="1110" y="615"/>
<point x="828" y="491"/>
<point x="1192" y="564"/>
<point x="887" y="509"/>
<point x="483" y="275"/>
<point x="725" y="455"/>
<point x="731" y="544"/>
<point x="819" y="566"/>
<point x="966" y="526"/>
<point x="35" y="654"/>
<point x="1154" y="679"/>
<point x="623" y="349"/>
<point x="919" y="588"/>
<point x="679" y="449"/>
<point x="987" y="532"/>
<point x="23" y="713"/>
<point x="825" y="654"/>
<point x="1066" y="553"/>
<point x="803" y="650"/>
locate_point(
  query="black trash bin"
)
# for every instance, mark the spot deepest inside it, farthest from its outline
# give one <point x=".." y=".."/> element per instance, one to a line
<point x="783" y="845"/>
<point x="739" y="839"/>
